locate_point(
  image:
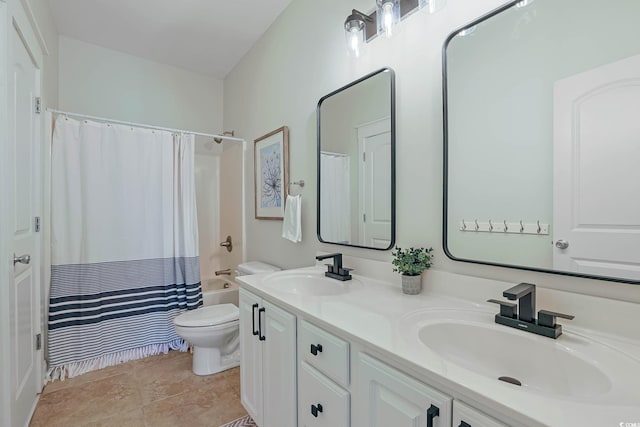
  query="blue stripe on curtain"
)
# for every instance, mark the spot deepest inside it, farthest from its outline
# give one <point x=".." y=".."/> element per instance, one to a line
<point x="103" y="308"/>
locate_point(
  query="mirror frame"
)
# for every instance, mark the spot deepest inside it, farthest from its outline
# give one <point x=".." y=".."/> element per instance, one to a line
<point x="445" y="189"/>
<point x="392" y="76"/>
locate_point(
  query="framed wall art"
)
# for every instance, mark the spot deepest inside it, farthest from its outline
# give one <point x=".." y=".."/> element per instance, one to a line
<point x="271" y="173"/>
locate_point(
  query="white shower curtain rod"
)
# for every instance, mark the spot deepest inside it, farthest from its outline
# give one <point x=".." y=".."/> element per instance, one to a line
<point x="140" y="125"/>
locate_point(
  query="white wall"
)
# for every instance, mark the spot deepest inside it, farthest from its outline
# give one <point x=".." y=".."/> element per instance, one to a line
<point x="301" y="58"/>
<point x="102" y="82"/>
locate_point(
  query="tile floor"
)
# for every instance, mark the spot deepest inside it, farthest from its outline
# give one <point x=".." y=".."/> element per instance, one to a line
<point x="153" y="392"/>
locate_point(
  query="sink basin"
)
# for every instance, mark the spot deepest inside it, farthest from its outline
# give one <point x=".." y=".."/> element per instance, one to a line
<point x="571" y="367"/>
<point x="311" y="283"/>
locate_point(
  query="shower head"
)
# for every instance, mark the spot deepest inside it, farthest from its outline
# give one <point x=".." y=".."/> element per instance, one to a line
<point x="225" y="133"/>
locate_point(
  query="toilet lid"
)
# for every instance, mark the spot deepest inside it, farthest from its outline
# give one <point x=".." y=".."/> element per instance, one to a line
<point x="208" y="316"/>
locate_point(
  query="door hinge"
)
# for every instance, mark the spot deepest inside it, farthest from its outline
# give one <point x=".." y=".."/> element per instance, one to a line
<point x="38" y="104"/>
<point x="39" y="342"/>
<point x="364" y="157"/>
<point x="36" y="224"/>
<point x="364" y="217"/>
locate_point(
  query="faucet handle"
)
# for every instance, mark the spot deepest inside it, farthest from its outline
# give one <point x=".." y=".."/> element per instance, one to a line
<point x="507" y="309"/>
<point x="548" y="318"/>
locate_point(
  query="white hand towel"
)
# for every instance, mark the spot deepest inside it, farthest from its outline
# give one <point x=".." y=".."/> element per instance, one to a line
<point x="292" y="221"/>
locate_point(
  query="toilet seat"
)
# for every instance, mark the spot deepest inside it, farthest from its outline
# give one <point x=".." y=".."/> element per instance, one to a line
<point x="208" y="316"/>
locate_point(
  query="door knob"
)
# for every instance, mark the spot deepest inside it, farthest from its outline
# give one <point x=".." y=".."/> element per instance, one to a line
<point x="24" y="259"/>
<point x="562" y="244"/>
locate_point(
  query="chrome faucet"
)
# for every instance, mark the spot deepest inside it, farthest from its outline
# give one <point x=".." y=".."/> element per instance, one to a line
<point x="226" y="271"/>
<point x="525" y="293"/>
<point x="336" y="270"/>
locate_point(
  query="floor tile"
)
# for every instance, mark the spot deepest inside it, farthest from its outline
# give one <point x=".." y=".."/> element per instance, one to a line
<point x="86" y="402"/>
<point x="153" y="392"/>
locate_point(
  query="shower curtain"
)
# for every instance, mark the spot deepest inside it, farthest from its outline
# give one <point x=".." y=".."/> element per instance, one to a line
<point x="124" y="244"/>
<point x="335" y="198"/>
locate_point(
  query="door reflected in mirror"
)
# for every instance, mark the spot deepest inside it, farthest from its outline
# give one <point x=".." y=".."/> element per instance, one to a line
<point x="542" y="139"/>
<point x="356" y="171"/>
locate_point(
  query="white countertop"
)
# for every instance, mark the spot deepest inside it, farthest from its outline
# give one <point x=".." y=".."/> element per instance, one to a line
<point x="378" y="315"/>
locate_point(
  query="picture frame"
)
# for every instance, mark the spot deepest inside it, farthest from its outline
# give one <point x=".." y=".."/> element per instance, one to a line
<point x="271" y="173"/>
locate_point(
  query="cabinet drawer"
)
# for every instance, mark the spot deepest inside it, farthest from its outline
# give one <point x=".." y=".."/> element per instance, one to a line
<point x="321" y="402"/>
<point x="466" y="416"/>
<point x="325" y="352"/>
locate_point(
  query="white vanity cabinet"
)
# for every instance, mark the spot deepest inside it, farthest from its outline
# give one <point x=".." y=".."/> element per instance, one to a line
<point x="323" y="379"/>
<point x="268" y="362"/>
<point x="384" y="396"/>
<point x="466" y="416"/>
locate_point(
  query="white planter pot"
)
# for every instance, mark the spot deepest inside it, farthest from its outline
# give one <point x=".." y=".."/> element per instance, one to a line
<point x="411" y="285"/>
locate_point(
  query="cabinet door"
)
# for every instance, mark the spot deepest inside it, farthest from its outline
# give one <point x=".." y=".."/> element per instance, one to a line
<point x="322" y="403"/>
<point x="386" y="397"/>
<point x="279" y="367"/>
<point x="466" y="416"/>
<point x="250" y="356"/>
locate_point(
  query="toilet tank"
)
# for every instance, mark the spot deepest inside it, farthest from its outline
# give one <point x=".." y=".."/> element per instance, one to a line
<point x="255" y="267"/>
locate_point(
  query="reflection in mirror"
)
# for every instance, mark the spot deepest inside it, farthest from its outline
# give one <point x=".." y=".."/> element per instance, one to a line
<point x="542" y="138"/>
<point x="356" y="154"/>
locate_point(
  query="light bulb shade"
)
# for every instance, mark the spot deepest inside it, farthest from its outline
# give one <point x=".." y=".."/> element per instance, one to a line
<point x="388" y="16"/>
<point x="354" y="29"/>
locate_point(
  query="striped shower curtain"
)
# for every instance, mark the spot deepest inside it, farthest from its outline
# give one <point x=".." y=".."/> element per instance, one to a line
<point x="124" y="244"/>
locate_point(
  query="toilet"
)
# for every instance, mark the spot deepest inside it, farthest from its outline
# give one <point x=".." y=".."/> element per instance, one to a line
<point x="214" y="330"/>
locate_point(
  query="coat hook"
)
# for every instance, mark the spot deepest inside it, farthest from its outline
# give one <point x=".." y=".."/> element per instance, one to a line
<point x="521" y="226"/>
<point x="477" y="226"/>
<point x="464" y="225"/>
<point x="539" y="229"/>
<point x="506" y="228"/>
<point x="490" y="226"/>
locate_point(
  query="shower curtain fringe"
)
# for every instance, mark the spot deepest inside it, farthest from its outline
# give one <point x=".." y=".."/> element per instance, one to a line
<point x="74" y="369"/>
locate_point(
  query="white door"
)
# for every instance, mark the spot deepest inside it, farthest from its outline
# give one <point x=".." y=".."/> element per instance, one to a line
<point x="279" y="359"/>
<point x="596" y="172"/>
<point x="386" y="397"/>
<point x="375" y="184"/>
<point x="23" y="194"/>
<point x="250" y="356"/>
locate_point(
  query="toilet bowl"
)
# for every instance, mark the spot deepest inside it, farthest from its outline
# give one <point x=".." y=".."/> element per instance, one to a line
<point x="214" y="333"/>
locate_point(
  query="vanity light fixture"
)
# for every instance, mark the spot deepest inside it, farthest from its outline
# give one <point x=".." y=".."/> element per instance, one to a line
<point x="357" y="28"/>
<point x="361" y="28"/>
<point x="388" y="14"/>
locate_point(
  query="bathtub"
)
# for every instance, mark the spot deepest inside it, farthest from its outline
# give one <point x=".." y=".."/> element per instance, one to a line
<point x="219" y="290"/>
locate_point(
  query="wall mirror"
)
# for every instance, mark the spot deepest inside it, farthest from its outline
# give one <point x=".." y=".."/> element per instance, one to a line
<point x="356" y="163"/>
<point x="542" y="139"/>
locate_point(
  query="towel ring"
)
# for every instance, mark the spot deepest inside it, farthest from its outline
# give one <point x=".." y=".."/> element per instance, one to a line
<point x="298" y="183"/>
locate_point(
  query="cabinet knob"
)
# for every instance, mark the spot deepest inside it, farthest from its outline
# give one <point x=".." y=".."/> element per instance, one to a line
<point x="315" y="349"/>
<point x="315" y="409"/>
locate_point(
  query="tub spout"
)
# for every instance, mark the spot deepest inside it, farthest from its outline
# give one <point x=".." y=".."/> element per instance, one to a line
<point x="226" y="271"/>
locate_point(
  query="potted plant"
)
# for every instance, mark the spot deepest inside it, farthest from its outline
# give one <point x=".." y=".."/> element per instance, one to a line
<point x="411" y="263"/>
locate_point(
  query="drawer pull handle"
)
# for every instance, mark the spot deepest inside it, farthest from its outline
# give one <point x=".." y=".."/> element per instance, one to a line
<point x="315" y="349"/>
<point x="253" y="319"/>
<point x="463" y="424"/>
<point x="432" y="412"/>
<point x="315" y="409"/>
<point x="260" y="333"/>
